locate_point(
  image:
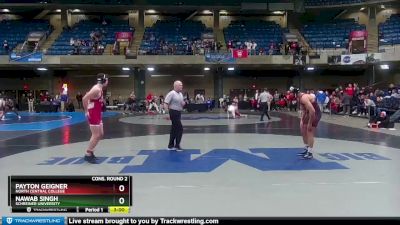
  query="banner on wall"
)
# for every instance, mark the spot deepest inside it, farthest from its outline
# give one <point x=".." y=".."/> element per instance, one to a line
<point x="219" y="57"/>
<point x="353" y="59"/>
<point x="358" y="41"/>
<point x="240" y="53"/>
<point x="36" y="36"/>
<point x="124" y="36"/>
<point x="358" y="35"/>
<point x="26" y="57"/>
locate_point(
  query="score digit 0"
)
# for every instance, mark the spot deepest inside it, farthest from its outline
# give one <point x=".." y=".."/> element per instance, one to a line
<point x="121" y="188"/>
<point x="121" y="200"/>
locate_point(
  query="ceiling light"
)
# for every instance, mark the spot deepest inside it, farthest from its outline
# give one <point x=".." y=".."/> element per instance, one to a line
<point x="278" y="12"/>
<point x="206" y="68"/>
<point x="126" y="68"/>
<point x="231" y="68"/>
<point x="150" y="68"/>
<point x="385" y="67"/>
<point x="42" y="69"/>
<point x="310" y="68"/>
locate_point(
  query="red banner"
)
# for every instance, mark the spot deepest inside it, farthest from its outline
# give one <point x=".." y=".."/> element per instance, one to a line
<point x="240" y="53"/>
<point x="123" y="36"/>
<point x="358" y="35"/>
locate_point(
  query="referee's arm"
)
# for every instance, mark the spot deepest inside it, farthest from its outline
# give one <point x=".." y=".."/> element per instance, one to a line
<point x="167" y="100"/>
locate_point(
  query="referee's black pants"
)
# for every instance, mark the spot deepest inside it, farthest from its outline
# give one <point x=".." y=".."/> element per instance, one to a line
<point x="264" y="109"/>
<point x="176" y="129"/>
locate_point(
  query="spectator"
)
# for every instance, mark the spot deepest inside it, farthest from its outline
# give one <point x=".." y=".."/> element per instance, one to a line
<point x="347" y="97"/>
<point x="219" y="46"/>
<point x="370" y="105"/>
<point x="396" y="93"/>
<point x="79" y="100"/>
<point x="70" y="106"/>
<point x="161" y="102"/>
<point x="382" y="121"/>
<point x="287" y="48"/>
<point x="153" y="105"/>
<point x="321" y="100"/>
<point x="253" y="48"/>
<point x="361" y="107"/>
<point x="31" y="101"/>
<point x="6" y="47"/>
<point x="248" y="46"/>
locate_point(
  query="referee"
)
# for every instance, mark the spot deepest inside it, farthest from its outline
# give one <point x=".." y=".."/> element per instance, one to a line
<point x="263" y="100"/>
<point x="174" y="103"/>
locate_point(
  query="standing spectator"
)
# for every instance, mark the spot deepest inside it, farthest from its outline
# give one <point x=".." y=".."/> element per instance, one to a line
<point x="248" y="46"/>
<point x="253" y="48"/>
<point x="287" y="47"/>
<point x="347" y="97"/>
<point x="219" y="46"/>
<point x="321" y="100"/>
<point x="275" y="100"/>
<point x="271" y="48"/>
<point x="79" y="100"/>
<point x="31" y="100"/>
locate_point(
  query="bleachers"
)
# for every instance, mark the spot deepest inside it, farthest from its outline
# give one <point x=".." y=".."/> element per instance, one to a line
<point x="331" y="2"/>
<point x="174" y="32"/>
<point x="330" y="35"/>
<point x="16" y="31"/>
<point x="82" y="31"/>
<point x="259" y="31"/>
<point x="389" y="31"/>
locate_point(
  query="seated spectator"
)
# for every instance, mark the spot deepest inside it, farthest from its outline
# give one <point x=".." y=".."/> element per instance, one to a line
<point x="281" y="103"/>
<point x="209" y="104"/>
<point x="153" y="105"/>
<point x="335" y="104"/>
<point x="361" y="107"/>
<point x="395" y="116"/>
<point x="370" y="104"/>
<point x="130" y="104"/>
<point x="382" y="121"/>
<point x="70" y="106"/>
<point x="396" y="93"/>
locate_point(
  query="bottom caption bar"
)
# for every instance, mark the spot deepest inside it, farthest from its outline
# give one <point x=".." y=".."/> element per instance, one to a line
<point x="219" y="221"/>
<point x="10" y="220"/>
<point x="69" y="209"/>
<point x="139" y="221"/>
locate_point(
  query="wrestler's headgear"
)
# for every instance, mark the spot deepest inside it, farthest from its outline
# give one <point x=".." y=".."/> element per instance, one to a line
<point x="102" y="78"/>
